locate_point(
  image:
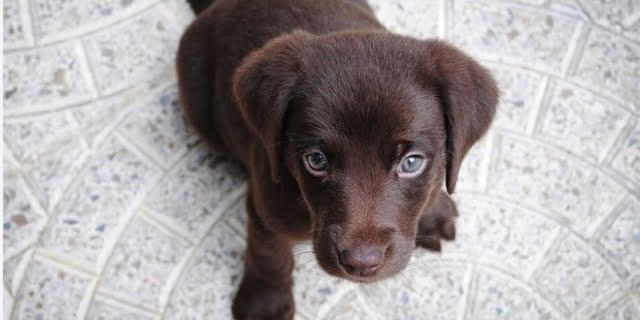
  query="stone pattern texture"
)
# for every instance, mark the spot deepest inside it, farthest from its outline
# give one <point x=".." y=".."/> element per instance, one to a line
<point x="113" y="209"/>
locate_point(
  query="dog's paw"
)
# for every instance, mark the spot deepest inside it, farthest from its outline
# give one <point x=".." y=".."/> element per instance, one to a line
<point x="437" y="223"/>
<point x="257" y="300"/>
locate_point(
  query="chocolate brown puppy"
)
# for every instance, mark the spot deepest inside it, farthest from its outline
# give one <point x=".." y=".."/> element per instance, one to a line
<point x="347" y="132"/>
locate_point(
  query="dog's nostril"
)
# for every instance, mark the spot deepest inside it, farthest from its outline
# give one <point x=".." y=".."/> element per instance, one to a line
<point x="361" y="261"/>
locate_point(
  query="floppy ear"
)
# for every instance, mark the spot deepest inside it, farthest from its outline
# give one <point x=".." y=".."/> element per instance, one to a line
<point x="263" y="85"/>
<point x="469" y="96"/>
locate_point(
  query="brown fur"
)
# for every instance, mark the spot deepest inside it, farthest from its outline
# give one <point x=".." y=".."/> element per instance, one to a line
<point x="265" y="81"/>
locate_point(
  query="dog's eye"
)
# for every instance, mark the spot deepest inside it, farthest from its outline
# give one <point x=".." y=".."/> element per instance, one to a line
<point x="316" y="163"/>
<point x="411" y="166"/>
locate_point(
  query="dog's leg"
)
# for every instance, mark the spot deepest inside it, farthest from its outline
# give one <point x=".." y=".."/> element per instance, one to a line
<point x="437" y="222"/>
<point x="265" y="291"/>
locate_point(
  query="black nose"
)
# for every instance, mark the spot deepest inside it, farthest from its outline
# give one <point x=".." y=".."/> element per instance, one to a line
<point x="362" y="260"/>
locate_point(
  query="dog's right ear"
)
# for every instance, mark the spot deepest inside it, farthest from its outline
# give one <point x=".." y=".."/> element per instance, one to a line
<point x="263" y="86"/>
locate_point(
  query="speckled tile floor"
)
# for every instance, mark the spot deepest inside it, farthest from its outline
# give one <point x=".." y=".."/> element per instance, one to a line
<point x="113" y="210"/>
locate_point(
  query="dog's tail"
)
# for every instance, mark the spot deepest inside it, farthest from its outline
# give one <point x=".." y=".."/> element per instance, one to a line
<point x="199" y="5"/>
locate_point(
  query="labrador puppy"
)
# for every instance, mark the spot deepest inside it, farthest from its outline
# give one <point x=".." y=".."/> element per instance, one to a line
<point x="347" y="132"/>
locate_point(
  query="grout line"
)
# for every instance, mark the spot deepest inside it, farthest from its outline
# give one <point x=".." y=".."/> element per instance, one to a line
<point x="55" y="203"/>
<point x="540" y="106"/>
<point x="583" y="12"/>
<point x="621" y="179"/>
<point x="32" y="196"/>
<point x="443" y="18"/>
<point x="526" y="286"/>
<point x="608" y="218"/>
<point x="556" y="237"/>
<point x="85" y="302"/>
<point x="234" y="228"/>
<point x="163" y="80"/>
<point x="555" y="217"/>
<point x="46" y="257"/>
<point x="365" y="304"/>
<point x="618" y="136"/>
<point x="333" y="301"/>
<point x="71" y="118"/>
<point x="144" y="216"/>
<point x="587" y="310"/>
<point x="225" y="205"/>
<point x="6" y="258"/>
<point x="572" y="156"/>
<point x="111" y="297"/>
<point x="23" y="185"/>
<point x="124" y="222"/>
<point x="79" y="162"/>
<point x="494" y="153"/>
<point x="555" y="77"/>
<point x="27" y="15"/>
<point x="40" y="111"/>
<point x="94" y="28"/>
<point x="31" y="15"/>
<point x="135" y="103"/>
<point x="486" y="161"/>
<point x="86" y="69"/>
<point x="190" y="256"/>
<point x="631" y="20"/>
<point x="58" y="105"/>
<point x="489" y="197"/>
<point x="172" y="279"/>
<point x="76" y="163"/>
<point x="589" y="249"/>
<point x="470" y="291"/>
<point x="6" y="294"/>
<point x="133" y="142"/>
<point x="115" y="302"/>
<point x="607" y="157"/>
<point x="19" y="290"/>
<point x="9" y="156"/>
<point x="635" y="298"/>
<point x="593" y="250"/>
<point x="48" y="217"/>
<point x="561" y="234"/>
<point x="132" y="147"/>
<point x="165" y="225"/>
<point x="140" y="149"/>
<point x="575" y="51"/>
<point x="21" y="270"/>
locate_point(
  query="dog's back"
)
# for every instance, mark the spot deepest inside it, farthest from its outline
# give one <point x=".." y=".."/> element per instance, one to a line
<point x="224" y="32"/>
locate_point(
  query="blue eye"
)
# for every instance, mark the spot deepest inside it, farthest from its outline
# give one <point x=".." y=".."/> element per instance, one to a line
<point x="316" y="163"/>
<point x="412" y="165"/>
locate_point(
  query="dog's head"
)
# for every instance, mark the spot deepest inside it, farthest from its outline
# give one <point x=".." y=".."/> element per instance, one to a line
<point x="368" y="125"/>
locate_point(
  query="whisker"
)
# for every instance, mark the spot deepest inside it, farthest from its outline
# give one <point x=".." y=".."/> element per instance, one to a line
<point x="306" y="263"/>
<point x="303" y="252"/>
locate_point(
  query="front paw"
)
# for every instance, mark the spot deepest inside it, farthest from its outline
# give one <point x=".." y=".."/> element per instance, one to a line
<point x="437" y="223"/>
<point x="258" y="300"/>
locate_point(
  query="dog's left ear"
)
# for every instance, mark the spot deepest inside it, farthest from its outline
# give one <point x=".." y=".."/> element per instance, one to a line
<point x="263" y="86"/>
<point x="469" y="96"/>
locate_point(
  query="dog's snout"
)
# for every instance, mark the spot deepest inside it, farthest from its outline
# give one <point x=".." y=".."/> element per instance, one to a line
<point x="362" y="260"/>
